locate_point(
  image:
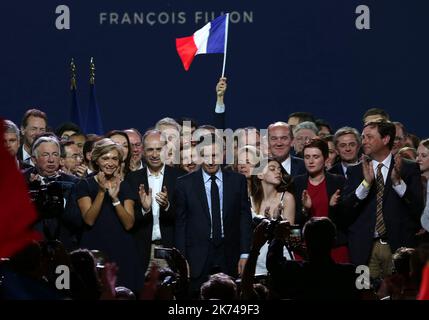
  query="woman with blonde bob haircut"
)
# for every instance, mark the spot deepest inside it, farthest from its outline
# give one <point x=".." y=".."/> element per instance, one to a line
<point x="107" y="220"/>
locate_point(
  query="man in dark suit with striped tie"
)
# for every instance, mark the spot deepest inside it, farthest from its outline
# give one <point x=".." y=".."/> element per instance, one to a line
<point x="384" y="200"/>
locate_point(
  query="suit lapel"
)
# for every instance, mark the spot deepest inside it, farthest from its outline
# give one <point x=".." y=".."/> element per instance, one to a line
<point x="388" y="184"/>
<point x="145" y="180"/>
<point x="166" y="181"/>
<point x="201" y="191"/>
<point x="292" y="166"/>
<point x="226" y="192"/>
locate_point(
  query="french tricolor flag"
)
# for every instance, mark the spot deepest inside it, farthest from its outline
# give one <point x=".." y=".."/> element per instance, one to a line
<point x="211" y="38"/>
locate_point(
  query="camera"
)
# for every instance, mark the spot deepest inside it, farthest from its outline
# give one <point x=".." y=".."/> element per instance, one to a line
<point x="295" y="236"/>
<point x="99" y="259"/>
<point x="48" y="199"/>
<point x="162" y="253"/>
<point x="269" y="229"/>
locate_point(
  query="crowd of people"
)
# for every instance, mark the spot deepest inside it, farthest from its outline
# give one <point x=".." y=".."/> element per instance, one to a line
<point x="186" y="211"/>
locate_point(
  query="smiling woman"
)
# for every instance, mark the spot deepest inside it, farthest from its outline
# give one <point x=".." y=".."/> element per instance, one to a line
<point x="107" y="219"/>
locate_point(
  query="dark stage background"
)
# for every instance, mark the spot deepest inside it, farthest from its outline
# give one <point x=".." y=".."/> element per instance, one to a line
<point x="283" y="56"/>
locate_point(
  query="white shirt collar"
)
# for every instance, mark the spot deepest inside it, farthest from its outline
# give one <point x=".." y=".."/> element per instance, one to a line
<point x="161" y="172"/>
<point x="287" y="164"/>
<point x="386" y="163"/>
<point x="25" y="154"/>
<point x="207" y="176"/>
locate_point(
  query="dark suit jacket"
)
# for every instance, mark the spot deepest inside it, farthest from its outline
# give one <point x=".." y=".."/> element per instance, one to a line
<point x="70" y="222"/>
<point x="144" y="223"/>
<point x="19" y="154"/>
<point x="336" y="214"/>
<point x="401" y="215"/>
<point x="219" y="120"/>
<point x="193" y="222"/>
<point x="297" y="166"/>
<point x="337" y="169"/>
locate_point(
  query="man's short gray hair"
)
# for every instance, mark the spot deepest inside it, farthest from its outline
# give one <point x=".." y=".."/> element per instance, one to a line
<point x="306" y="125"/>
<point x="347" y="130"/>
<point x="167" y="122"/>
<point x="10" y="127"/>
<point x="44" y="139"/>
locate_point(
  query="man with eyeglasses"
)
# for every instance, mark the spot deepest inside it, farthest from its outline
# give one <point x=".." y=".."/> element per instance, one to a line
<point x="303" y="133"/>
<point x="71" y="158"/>
<point x="135" y="138"/>
<point x="347" y="141"/>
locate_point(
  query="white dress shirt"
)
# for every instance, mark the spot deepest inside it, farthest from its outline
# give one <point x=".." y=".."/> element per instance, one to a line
<point x="26" y="157"/>
<point x="155" y="183"/>
<point x="362" y="192"/>
<point x="220" y="108"/>
<point x="425" y="216"/>
<point x="287" y="165"/>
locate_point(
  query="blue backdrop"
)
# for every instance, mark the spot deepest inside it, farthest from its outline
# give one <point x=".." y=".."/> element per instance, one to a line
<point x="283" y="56"/>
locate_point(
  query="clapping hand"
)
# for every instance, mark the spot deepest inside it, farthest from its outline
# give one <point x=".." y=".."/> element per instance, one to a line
<point x="81" y="170"/>
<point x="145" y="198"/>
<point x="162" y="198"/>
<point x="306" y="200"/>
<point x="113" y="187"/>
<point x="396" y="172"/>
<point x="367" y="170"/>
<point x="334" y="199"/>
<point x="102" y="181"/>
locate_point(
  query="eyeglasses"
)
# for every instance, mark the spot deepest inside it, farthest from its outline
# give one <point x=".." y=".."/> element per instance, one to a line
<point x="75" y="156"/>
<point x="305" y="139"/>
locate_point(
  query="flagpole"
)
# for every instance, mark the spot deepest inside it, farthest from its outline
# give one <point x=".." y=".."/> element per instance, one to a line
<point x="226" y="43"/>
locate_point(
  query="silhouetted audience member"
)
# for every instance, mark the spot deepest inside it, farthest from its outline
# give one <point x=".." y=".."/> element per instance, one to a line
<point x="400" y="285"/>
<point x="123" y="293"/>
<point x="219" y="287"/>
<point x="87" y="284"/>
<point x="319" y="277"/>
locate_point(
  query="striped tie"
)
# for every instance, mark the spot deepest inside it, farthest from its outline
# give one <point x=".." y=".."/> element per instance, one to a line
<point x="379" y="224"/>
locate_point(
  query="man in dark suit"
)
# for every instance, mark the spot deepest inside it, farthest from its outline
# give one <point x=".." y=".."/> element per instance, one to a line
<point x="213" y="218"/>
<point x="54" y="193"/>
<point x="280" y="139"/>
<point x="384" y="201"/>
<point x="33" y="124"/>
<point x="11" y="139"/>
<point x="347" y="142"/>
<point x="149" y="193"/>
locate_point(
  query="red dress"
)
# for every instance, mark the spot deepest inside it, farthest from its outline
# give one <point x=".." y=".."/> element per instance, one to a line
<point x="320" y="208"/>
